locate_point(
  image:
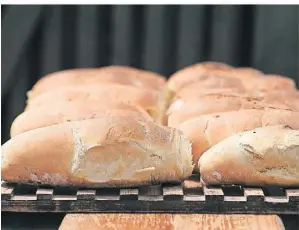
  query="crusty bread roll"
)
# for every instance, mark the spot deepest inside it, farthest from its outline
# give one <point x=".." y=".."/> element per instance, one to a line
<point x="270" y="83"/>
<point x="91" y="76"/>
<point x="197" y="72"/>
<point x="289" y="98"/>
<point x="104" y="152"/>
<point x="167" y="221"/>
<point x="212" y="83"/>
<point x="263" y="156"/>
<point x="212" y="65"/>
<point x="72" y="111"/>
<point x="207" y="130"/>
<point x="181" y="110"/>
<point x="149" y="100"/>
<point x="197" y="94"/>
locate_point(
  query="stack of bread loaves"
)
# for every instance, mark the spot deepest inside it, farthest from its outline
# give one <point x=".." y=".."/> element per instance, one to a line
<point x="96" y="127"/>
<point x="243" y="124"/>
<point x="107" y="127"/>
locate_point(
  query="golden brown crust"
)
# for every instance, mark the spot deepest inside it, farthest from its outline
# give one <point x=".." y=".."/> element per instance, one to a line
<point x="197" y="94"/>
<point x="270" y="83"/>
<point x="72" y="111"/>
<point x="90" y="76"/>
<point x="207" y="130"/>
<point x="149" y="100"/>
<point x="289" y="98"/>
<point x="182" y="110"/>
<point x="107" y="151"/>
<point x="251" y="79"/>
<point x="78" y="122"/>
<point x="263" y="156"/>
<point x="212" y="82"/>
<point x="197" y="72"/>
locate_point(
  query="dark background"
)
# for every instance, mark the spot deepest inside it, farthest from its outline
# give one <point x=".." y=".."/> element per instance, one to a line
<point x="37" y="40"/>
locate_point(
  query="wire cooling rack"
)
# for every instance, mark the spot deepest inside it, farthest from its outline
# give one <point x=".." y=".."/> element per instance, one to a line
<point x="189" y="197"/>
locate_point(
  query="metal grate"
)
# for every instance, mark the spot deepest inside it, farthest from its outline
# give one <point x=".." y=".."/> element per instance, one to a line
<point x="188" y="197"/>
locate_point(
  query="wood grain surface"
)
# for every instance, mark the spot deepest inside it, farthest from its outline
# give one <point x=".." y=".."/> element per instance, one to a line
<point x="170" y="221"/>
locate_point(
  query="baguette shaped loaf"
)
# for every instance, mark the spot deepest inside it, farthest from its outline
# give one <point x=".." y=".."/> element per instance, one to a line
<point x="151" y="101"/>
<point x="91" y="76"/>
<point x="197" y="94"/>
<point x="270" y="83"/>
<point x="289" y="98"/>
<point x="207" y="130"/>
<point x="263" y="156"/>
<point x="197" y="72"/>
<point x="72" y="111"/>
<point x="212" y="82"/>
<point x="104" y="152"/>
<point x="181" y="111"/>
<point x="250" y="78"/>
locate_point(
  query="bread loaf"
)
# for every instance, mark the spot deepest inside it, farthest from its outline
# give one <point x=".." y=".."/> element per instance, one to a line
<point x="72" y="111"/>
<point x="197" y="94"/>
<point x="270" y="83"/>
<point x="263" y="156"/>
<point x="181" y="110"/>
<point x="104" y="152"/>
<point x="92" y="76"/>
<point x="289" y="98"/>
<point x="149" y="100"/>
<point x="212" y="83"/>
<point x="197" y="72"/>
<point x="207" y="130"/>
<point x="250" y="78"/>
<point x="210" y="65"/>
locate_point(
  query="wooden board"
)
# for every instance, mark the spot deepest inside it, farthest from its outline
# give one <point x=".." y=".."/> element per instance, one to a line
<point x="188" y="197"/>
<point x="170" y="221"/>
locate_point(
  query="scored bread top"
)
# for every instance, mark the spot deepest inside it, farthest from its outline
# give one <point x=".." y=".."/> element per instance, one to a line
<point x="106" y="151"/>
<point x="212" y="82"/>
<point x="250" y="79"/>
<point x="207" y="130"/>
<point x="197" y="72"/>
<point x="149" y="100"/>
<point x="91" y="76"/>
<point x="182" y="110"/>
<point x="72" y="111"/>
<point x="270" y="83"/>
<point x="263" y="156"/>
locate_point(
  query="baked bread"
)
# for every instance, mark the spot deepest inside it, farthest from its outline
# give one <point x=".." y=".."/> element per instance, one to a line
<point x="91" y="76"/>
<point x="250" y="78"/>
<point x="181" y="110"/>
<point x="103" y="152"/>
<point x="212" y="83"/>
<point x="149" y="100"/>
<point x="197" y="72"/>
<point x="290" y="98"/>
<point x="197" y="94"/>
<point x="72" y="111"/>
<point x="263" y="156"/>
<point x="207" y="130"/>
<point x="270" y="83"/>
<point x="211" y="65"/>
